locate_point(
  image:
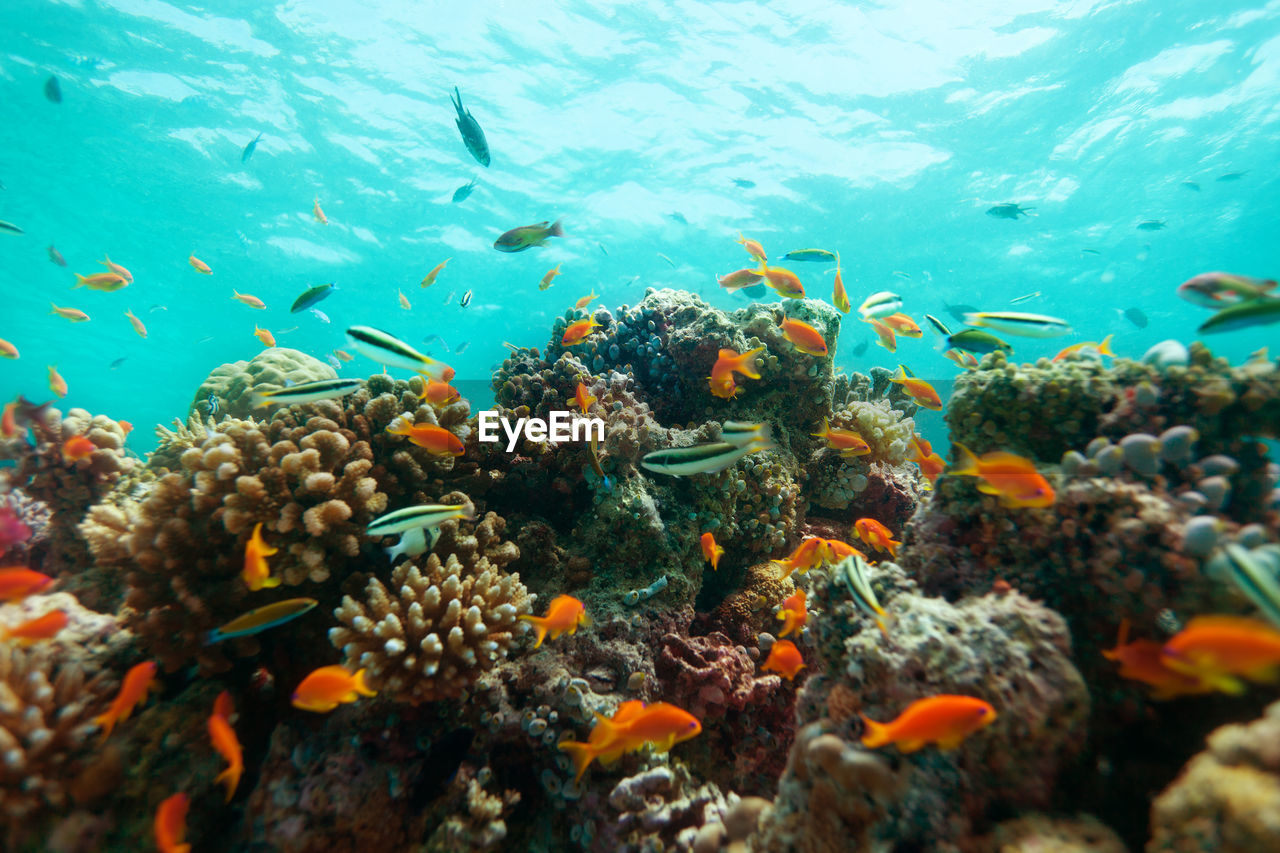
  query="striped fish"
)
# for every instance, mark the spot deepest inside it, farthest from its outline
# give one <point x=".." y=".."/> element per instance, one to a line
<point x="387" y="349"/>
<point x="1253" y="572"/>
<point x="260" y="619"/>
<point x="1018" y="323"/>
<point x="700" y="458"/>
<point x="879" y="305"/>
<point x="416" y="517"/>
<point x="938" y="326"/>
<point x="853" y="571"/>
<point x="307" y="392"/>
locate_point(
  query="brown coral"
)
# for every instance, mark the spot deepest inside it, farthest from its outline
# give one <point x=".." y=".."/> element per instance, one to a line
<point x="435" y="629"/>
<point x="46" y="719"/>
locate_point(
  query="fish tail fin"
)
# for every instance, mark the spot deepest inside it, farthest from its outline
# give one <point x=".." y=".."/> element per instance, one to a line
<point x="80" y="281"/>
<point x="1105" y="346"/>
<point x="825" y="431"/>
<point x="900" y="377"/>
<point x="539" y="626"/>
<point x="232" y="777"/>
<point x="270" y="582"/>
<point x="107" y="721"/>
<point x="358" y="684"/>
<point x="876" y="734"/>
<point x="555" y="231"/>
<point x="968" y="463"/>
<point x="581" y="753"/>
<point x="748" y="367"/>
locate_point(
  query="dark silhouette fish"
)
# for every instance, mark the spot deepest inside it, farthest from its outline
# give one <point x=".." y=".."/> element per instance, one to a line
<point x="1191" y="185"/>
<point x="861" y="347"/>
<point x="249" y="149"/>
<point x="1231" y="176"/>
<point x="53" y="89"/>
<point x="117" y="362"/>
<point x="1136" y="317"/>
<point x="958" y="311"/>
<point x="56" y="257"/>
<point x="677" y="216"/>
<point x="463" y="191"/>
<point x="1008" y="210"/>
<point x="472" y="135"/>
<point x="744" y="183"/>
<point x="1151" y="225"/>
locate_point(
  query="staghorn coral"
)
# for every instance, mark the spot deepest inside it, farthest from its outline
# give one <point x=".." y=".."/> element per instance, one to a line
<point x="436" y="629"/>
<point x="477" y="824"/>
<point x="1227" y="798"/>
<point x="46" y="722"/>
<point x="233" y="384"/>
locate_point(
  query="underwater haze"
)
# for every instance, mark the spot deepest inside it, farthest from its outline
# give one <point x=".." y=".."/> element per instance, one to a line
<point x="881" y="131"/>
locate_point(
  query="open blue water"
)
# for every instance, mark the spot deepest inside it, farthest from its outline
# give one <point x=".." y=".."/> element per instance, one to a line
<point x="882" y="131"/>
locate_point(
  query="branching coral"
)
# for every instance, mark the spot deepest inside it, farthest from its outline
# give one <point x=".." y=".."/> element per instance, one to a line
<point x="436" y="629"/>
<point x="46" y="723"/>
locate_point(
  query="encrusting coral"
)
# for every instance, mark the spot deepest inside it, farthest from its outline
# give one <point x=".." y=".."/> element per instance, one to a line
<point x="430" y="634"/>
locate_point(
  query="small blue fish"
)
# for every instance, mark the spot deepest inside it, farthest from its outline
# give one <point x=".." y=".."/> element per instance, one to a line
<point x="249" y="149"/>
<point x="320" y="315"/>
<point x="334" y="363"/>
<point x="461" y="193"/>
<point x="461" y="348"/>
<point x="212" y="401"/>
<point x="117" y="362"/>
<point x="260" y="619"/>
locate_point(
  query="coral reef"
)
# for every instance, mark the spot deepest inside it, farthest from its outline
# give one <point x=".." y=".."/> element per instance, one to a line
<point x="1038" y="833"/>
<point x="436" y="629"/>
<point x="1228" y="797"/>
<point x="233" y="384"/>
<point x="24" y="527"/>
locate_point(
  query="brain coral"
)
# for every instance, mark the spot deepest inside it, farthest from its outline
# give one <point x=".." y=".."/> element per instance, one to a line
<point x="233" y="383"/>
<point x="435" y="629"/>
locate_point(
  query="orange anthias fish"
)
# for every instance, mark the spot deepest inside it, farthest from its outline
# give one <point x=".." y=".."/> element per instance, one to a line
<point x="251" y="301"/>
<point x="919" y="390"/>
<point x="1011" y="477"/>
<point x="1217" y="649"/>
<point x="579" y="331"/>
<point x="343" y="355"/>
<point x="804" y="337"/>
<point x="739" y="279"/>
<point x="785" y="282"/>
<point x="876" y="535"/>
<point x="136" y="323"/>
<point x="125" y="427"/>
<point x="839" y="297"/>
<point x="256" y="573"/>
<point x="793" y="613"/>
<point x="76" y="448"/>
<point x="438" y="393"/>
<point x="564" y="614"/>
<point x="75" y="315"/>
<point x="137" y="682"/>
<point x="1141" y="660"/>
<point x="40" y="628"/>
<point x="585" y="300"/>
<point x="903" y="325"/>
<point x="404" y="301"/>
<point x="944" y="720"/>
<point x="931" y="464"/>
<point x="1103" y="348"/>
<point x="884" y="335"/>
<point x="199" y="265"/>
<point x="965" y="359"/>
<point x="807" y="554"/>
<point x="632" y="726"/>
<point x="325" y="688"/>
<point x="57" y="384"/>
<point x="835" y="551"/>
<point x="784" y="659"/>
<point x="547" y="279"/>
<point x="711" y="552"/>
<point x="17" y="582"/>
<point x="729" y="362"/>
<point x="170" y="825"/>
<point x="847" y="442"/>
<point x="106" y="282"/>
<point x="435" y="439"/>
<point x="117" y="269"/>
<point x="318" y="213"/>
<point x="7" y="350"/>
<point x="226" y="743"/>
<point x="753" y="248"/>
<point x="582" y="398"/>
<point x="268" y="339"/>
<point x="430" y="278"/>
<point x="9" y="419"/>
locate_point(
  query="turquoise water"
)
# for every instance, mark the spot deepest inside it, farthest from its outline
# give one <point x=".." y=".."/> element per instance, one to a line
<point x="882" y="132"/>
